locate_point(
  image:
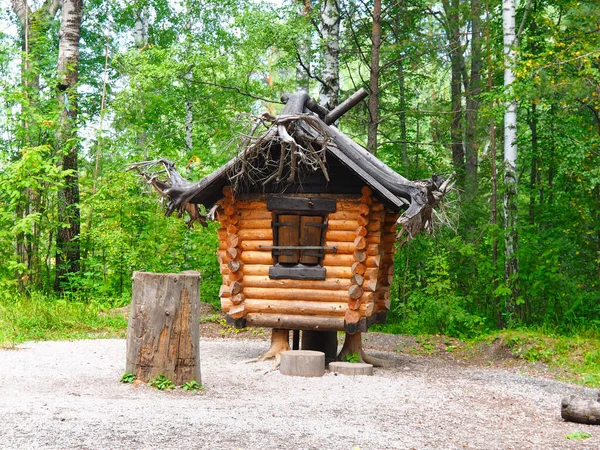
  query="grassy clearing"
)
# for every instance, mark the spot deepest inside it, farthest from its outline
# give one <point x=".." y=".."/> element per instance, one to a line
<point x="577" y="356"/>
<point x="39" y="318"/>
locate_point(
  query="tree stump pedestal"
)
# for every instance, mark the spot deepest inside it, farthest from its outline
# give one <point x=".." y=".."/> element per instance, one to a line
<point x="163" y="334"/>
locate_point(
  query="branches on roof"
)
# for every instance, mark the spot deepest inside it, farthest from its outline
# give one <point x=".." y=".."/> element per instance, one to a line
<point x="163" y="176"/>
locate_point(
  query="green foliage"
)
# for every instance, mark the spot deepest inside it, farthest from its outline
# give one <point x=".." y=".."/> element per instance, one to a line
<point x="353" y="357"/>
<point x="192" y="386"/>
<point x="161" y="383"/>
<point x="578" y="436"/>
<point x="40" y="317"/>
<point x="128" y="377"/>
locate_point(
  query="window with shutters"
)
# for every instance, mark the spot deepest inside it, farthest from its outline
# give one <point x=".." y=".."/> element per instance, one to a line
<point x="299" y="226"/>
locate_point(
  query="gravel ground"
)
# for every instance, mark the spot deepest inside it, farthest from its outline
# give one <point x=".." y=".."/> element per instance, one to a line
<point x="62" y="395"/>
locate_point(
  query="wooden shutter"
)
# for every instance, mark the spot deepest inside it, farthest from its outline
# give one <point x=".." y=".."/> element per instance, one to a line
<point x="311" y="230"/>
<point x="288" y="233"/>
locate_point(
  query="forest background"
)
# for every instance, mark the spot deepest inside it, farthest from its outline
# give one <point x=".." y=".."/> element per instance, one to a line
<point x="91" y="86"/>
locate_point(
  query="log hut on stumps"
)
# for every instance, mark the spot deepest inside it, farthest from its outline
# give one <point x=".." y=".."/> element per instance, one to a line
<point x="309" y="223"/>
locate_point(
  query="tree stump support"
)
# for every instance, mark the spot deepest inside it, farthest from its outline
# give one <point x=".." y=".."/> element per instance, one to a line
<point x="322" y="341"/>
<point x="163" y="334"/>
<point x="302" y="363"/>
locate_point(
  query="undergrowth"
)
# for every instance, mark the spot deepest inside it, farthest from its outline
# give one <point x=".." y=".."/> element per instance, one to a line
<point x="39" y="317"/>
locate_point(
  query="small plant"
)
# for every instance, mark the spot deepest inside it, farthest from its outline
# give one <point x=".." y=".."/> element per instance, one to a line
<point x="128" y="377"/>
<point x="161" y="383"/>
<point x="578" y="436"/>
<point x="353" y="357"/>
<point x="192" y="386"/>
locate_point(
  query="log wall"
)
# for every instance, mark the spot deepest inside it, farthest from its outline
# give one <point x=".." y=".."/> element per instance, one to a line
<point x="356" y="287"/>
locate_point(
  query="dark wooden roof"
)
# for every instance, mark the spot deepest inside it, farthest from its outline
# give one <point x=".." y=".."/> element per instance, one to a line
<point x="392" y="188"/>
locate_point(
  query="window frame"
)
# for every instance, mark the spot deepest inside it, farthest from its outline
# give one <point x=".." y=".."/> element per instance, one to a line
<point x="302" y="208"/>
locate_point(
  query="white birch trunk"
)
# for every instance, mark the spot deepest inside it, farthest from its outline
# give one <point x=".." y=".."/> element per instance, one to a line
<point x="330" y="30"/>
<point x="67" y="238"/>
<point x="511" y="262"/>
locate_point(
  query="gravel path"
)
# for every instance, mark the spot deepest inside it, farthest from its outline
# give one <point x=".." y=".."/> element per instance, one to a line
<point x="67" y="395"/>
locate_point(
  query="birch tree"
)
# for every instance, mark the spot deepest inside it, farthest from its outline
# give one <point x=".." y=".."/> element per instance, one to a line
<point x="330" y="31"/>
<point x="511" y="262"/>
<point x="67" y="238"/>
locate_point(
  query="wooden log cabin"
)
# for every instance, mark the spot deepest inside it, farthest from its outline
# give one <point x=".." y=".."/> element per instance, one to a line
<point x="308" y="222"/>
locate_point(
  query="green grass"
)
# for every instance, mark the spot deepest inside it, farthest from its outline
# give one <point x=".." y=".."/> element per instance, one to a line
<point x="41" y="318"/>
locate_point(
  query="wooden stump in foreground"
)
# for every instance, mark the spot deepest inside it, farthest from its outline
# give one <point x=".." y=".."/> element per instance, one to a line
<point x="163" y="333"/>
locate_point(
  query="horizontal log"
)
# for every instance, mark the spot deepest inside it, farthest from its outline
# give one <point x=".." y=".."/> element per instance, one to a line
<point x="340" y="236"/>
<point x="367" y="309"/>
<point x="252" y="224"/>
<point x="235" y="265"/>
<point x="295" y="322"/>
<point x="581" y="410"/>
<point x="264" y="257"/>
<point x="222" y="256"/>
<point x="351" y="316"/>
<point x="358" y="268"/>
<point x="256" y="234"/>
<point x="331" y="271"/>
<point x="296" y="307"/>
<point x="332" y="284"/>
<point x="343" y="215"/>
<point x="345" y="248"/>
<point x="321" y="295"/>
<point x="371" y="285"/>
<point x="346" y="260"/>
<point x="357" y="279"/>
<point x="361" y="231"/>
<point x="360" y="243"/>
<point x="233" y="252"/>
<point x="224" y="291"/>
<point x="255" y="245"/>
<point x="237" y="311"/>
<point x="235" y="287"/>
<point x="360" y="255"/>
<point x="364" y="209"/>
<point x="255" y="214"/>
<point x="363" y="221"/>
<point x="257" y="205"/>
<point x="235" y="276"/>
<point x="233" y="240"/>
<point x="354" y="304"/>
<point x="355" y="292"/>
<point x="237" y="299"/>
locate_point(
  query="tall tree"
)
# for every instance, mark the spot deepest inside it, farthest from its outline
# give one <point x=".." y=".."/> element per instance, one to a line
<point x="511" y="237"/>
<point x="67" y="238"/>
<point x="472" y="101"/>
<point x="330" y="31"/>
<point x="374" y="79"/>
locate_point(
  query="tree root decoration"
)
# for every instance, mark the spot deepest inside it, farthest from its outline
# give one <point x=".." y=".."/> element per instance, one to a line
<point x="353" y="346"/>
<point x="280" y="342"/>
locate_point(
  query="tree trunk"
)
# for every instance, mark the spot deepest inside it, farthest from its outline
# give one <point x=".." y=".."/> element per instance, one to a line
<point x="472" y="153"/>
<point x="322" y="341"/>
<point x="374" y="80"/>
<point x="67" y="238"/>
<point x="511" y="261"/>
<point x="302" y="75"/>
<point x="163" y="334"/>
<point x="280" y="342"/>
<point x="456" y="132"/>
<point x="533" y="175"/>
<point x="581" y="410"/>
<point x="353" y="347"/>
<point x="140" y="40"/>
<point x="330" y="30"/>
